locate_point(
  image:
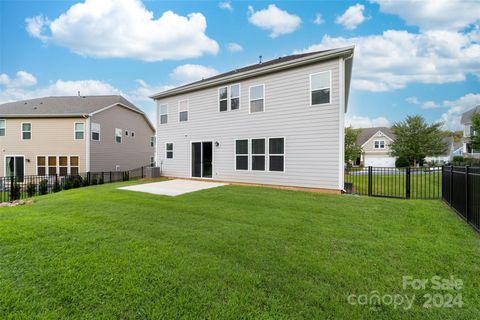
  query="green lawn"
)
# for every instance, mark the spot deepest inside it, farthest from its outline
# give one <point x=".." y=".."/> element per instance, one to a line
<point x="231" y="253"/>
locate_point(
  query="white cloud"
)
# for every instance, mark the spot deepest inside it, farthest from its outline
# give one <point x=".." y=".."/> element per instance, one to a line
<point x="234" y="47"/>
<point x="366" y="122"/>
<point x="451" y="118"/>
<point x="125" y="29"/>
<point x="276" y="20"/>
<point x="434" y="15"/>
<point x="353" y="17"/>
<point x="226" y="5"/>
<point x="395" y="58"/>
<point x="192" y="72"/>
<point x="22" y="79"/>
<point x="318" y="19"/>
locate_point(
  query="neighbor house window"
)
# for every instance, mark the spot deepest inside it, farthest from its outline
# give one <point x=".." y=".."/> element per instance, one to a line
<point x="169" y="150"/>
<point x="52" y="165"/>
<point x="223" y="99"/>
<point x="163" y="113"/>
<point x="79" y="131"/>
<point x="234" y="97"/>
<point x="258" y="154"/>
<point x="320" y="87"/>
<point x="241" y="154"/>
<point x="183" y="110"/>
<point x="41" y="166"/>
<point x="74" y="165"/>
<point x="152" y="141"/>
<point x="118" y="135"/>
<point x="26" y="131"/>
<point x="276" y="154"/>
<point x="95" y="131"/>
<point x="257" y="98"/>
<point x="379" y="144"/>
<point x="63" y="166"/>
<point x="2" y="128"/>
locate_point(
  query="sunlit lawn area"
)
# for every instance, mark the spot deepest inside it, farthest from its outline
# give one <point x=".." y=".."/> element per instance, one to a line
<point x="233" y="252"/>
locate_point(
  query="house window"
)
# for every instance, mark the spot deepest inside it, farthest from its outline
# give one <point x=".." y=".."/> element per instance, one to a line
<point x="63" y="166"/>
<point x="95" y="131"/>
<point x="163" y="113"/>
<point x="169" y="150"/>
<point x="52" y="165"/>
<point x="234" y="97"/>
<point x="2" y="128"/>
<point x="241" y="154"/>
<point x="41" y="166"/>
<point x="257" y="98"/>
<point x="79" y="131"/>
<point x="379" y="144"/>
<point x="258" y="154"/>
<point x="118" y="135"/>
<point x="183" y="110"/>
<point x="74" y="165"/>
<point x="276" y="154"/>
<point x="152" y="141"/>
<point x="223" y="99"/>
<point x="26" y="131"/>
<point x="320" y="85"/>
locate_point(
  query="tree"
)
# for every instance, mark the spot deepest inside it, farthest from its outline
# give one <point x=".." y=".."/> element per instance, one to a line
<point x="475" y="138"/>
<point x="415" y="139"/>
<point x="352" y="150"/>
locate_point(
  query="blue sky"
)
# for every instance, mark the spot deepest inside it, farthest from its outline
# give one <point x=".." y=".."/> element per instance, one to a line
<point x="411" y="58"/>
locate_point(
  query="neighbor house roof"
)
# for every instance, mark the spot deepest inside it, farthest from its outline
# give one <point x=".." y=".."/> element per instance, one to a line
<point x="467" y="116"/>
<point x="367" y="133"/>
<point x="268" y="67"/>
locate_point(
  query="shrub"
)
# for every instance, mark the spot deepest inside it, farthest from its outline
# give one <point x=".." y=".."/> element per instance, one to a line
<point x="43" y="187"/>
<point x="402" y="162"/>
<point x="15" y="191"/>
<point x="31" y="189"/>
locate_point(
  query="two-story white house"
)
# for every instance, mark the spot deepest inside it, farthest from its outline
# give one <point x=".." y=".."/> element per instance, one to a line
<point x="468" y="131"/>
<point x="280" y="122"/>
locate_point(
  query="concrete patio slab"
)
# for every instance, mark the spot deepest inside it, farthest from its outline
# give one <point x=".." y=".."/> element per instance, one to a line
<point x="173" y="187"/>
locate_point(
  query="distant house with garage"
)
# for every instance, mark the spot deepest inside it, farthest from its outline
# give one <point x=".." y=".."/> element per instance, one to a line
<point x="278" y="122"/>
<point x="74" y="134"/>
<point x="375" y="143"/>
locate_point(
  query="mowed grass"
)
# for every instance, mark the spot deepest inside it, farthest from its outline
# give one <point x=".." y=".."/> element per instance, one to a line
<point x="233" y="252"/>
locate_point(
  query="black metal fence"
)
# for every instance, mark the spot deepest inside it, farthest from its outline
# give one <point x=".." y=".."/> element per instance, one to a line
<point x="461" y="190"/>
<point x="23" y="187"/>
<point x="402" y="183"/>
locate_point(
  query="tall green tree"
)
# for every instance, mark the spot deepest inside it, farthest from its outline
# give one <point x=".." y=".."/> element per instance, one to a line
<point x="475" y="139"/>
<point x="415" y="139"/>
<point x="352" y="150"/>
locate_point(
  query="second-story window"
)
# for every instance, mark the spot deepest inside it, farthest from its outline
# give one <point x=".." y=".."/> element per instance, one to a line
<point x="223" y="99"/>
<point x="26" y="131"/>
<point x="163" y="113"/>
<point x="95" y="131"/>
<point x="2" y="128"/>
<point x="257" y="98"/>
<point x="79" y="130"/>
<point x="118" y="135"/>
<point x="320" y="84"/>
<point x="183" y="110"/>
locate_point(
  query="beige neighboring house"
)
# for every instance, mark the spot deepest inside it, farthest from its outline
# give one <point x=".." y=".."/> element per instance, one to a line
<point x="375" y="144"/>
<point x="74" y="134"/>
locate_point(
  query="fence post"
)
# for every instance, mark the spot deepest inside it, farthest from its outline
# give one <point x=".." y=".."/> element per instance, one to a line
<point x="407" y="183"/>
<point x="370" y="181"/>
<point x="451" y="185"/>
<point x="466" y="194"/>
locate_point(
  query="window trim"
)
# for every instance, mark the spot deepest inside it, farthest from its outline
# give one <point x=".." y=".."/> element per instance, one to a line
<point x="188" y="109"/>
<point x="331" y="91"/>
<point x="31" y="131"/>
<point x="172" y="151"/>
<point x="284" y="153"/>
<point x="4" y="127"/>
<point x="241" y="154"/>
<point x="379" y="140"/>
<point x="218" y="99"/>
<point x="75" y="130"/>
<point x="265" y="154"/>
<point x="250" y="99"/>
<point x="162" y="114"/>
<point x="229" y="104"/>
<point x="121" y="136"/>
<point x="92" y="131"/>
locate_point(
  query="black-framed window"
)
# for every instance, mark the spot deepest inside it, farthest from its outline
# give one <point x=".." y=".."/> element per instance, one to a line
<point x="276" y="150"/>
<point x="241" y="154"/>
<point x="258" y="154"/>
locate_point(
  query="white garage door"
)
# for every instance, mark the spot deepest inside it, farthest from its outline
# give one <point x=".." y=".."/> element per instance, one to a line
<point x="379" y="162"/>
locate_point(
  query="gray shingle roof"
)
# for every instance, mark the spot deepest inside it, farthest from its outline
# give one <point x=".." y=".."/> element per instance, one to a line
<point x="62" y="106"/>
<point x="367" y="133"/>
<point x="467" y="116"/>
